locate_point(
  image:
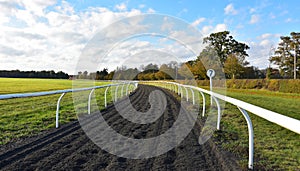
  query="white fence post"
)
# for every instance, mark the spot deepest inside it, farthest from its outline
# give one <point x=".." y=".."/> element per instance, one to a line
<point x="89" y="102"/>
<point x="127" y="88"/>
<point x="181" y="91"/>
<point x="57" y="109"/>
<point x="193" y="95"/>
<point x="187" y="94"/>
<point x="251" y="137"/>
<point x="219" y="112"/>
<point x="105" y="97"/>
<point x="203" y="105"/>
<point x="116" y="93"/>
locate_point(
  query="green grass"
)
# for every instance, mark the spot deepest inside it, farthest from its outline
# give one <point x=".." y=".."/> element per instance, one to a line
<point x="28" y="116"/>
<point x="24" y="85"/>
<point x="276" y="148"/>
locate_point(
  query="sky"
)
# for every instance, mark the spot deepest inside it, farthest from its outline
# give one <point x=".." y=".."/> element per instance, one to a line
<point x="53" y="34"/>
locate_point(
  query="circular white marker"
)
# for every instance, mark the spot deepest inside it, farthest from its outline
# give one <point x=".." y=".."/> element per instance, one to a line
<point x="210" y="73"/>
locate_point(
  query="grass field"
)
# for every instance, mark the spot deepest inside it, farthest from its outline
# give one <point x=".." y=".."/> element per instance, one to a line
<point x="276" y="148"/>
<point x="23" y="85"/>
<point x="28" y="116"/>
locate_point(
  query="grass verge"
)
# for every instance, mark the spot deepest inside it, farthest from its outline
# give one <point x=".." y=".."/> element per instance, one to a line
<point x="23" y="117"/>
<point x="276" y="148"/>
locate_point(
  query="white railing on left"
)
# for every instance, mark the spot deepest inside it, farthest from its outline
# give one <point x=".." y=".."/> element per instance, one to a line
<point x="63" y="92"/>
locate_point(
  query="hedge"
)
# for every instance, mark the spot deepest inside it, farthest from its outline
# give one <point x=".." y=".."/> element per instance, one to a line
<point x="280" y="85"/>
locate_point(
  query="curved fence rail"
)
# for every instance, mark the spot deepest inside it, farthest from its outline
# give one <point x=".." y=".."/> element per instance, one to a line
<point x="63" y="92"/>
<point x="182" y="90"/>
<point x="279" y="119"/>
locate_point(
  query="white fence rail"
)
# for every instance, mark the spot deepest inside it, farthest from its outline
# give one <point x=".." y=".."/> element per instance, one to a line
<point x="63" y="92"/>
<point x="279" y="119"/>
<point x="284" y="121"/>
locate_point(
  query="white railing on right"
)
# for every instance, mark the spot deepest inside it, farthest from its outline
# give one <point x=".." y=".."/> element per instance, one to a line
<point x="279" y="119"/>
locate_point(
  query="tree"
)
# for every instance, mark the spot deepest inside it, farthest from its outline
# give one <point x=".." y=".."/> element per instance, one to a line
<point x="151" y="68"/>
<point x="185" y="71"/>
<point x="232" y="66"/>
<point x="85" y="75"/>
<point x="110" y="76"/>
<point x="209" y="59"/>
<point x="252" y="72"/>
<point x="165" y="72"/>
<point x="198" y="70"/>
<point x="285" y="54"/>
<point x="100" y="75"/>
<point x="224" y="44"/>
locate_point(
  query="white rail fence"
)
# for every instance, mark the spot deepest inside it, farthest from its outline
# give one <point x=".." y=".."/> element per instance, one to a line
<point x="279" y="119"/>
<point x="63" y="92"/>
<point x="284" y="121"/>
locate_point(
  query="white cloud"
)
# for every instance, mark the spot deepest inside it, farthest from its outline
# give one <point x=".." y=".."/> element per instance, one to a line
<point x="167" y="25"/>
<point x="220" y="27"/>
<point x="142" y="6"/>
<point x="268" y="36"/>
<point x="265" y="43"/>
<point x="184" y="10"/>
<point x="37" y="6"/>
<point x="198" y="21"/>
<point x="150" y="10"/>
<point x="121" y="7"/>
<point x="229" y="10"/>
<point x="254" y="19"/>
<point x="206" y="30"/>
<point x="265" y="36"/>
<point x="49" y="38"/>
<point x="288" y="20"/>
<point x="252" y="10"/>
<point x="260" y="50"/>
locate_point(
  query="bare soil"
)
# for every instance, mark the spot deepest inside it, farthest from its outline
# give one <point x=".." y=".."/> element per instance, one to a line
<point x="68" y="147"/>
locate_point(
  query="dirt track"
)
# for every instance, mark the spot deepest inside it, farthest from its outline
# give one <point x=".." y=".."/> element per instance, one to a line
<point x="68" y="148"/>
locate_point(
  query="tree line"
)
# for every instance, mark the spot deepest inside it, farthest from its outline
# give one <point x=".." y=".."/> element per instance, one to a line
<point x="171" y="71"/>
<point x="230" y="53"/>
<point x="33" y="74"/>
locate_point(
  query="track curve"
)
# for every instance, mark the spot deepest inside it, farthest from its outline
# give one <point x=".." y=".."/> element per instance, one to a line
<point x="68" y="148"/>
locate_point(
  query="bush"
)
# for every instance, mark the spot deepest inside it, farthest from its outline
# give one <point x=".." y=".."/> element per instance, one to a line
<point x="289" y="86"/>
<point x="273" y="85"/>
<point x="285" y="86"/>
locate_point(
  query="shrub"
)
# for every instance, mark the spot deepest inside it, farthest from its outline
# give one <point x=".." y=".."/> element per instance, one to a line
<point x="289" y="86"/>
<point x="273" y="85"/>
<point x="285" y="86"/>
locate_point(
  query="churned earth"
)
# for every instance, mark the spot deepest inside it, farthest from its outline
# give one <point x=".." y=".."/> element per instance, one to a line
<point x="69" y="148"/>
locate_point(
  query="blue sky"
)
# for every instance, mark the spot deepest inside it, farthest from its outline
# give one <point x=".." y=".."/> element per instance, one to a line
<point x="50" y="35"/>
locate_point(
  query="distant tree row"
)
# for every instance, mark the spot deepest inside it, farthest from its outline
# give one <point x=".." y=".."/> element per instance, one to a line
<point x="171" y="71"/>
<point x="33" y="74"/>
